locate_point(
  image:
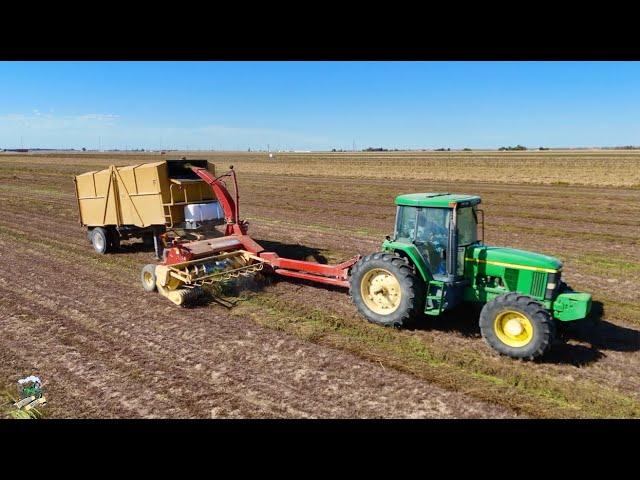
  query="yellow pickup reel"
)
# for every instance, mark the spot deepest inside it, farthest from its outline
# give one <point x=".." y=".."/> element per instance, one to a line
<point x="183" y="283"/>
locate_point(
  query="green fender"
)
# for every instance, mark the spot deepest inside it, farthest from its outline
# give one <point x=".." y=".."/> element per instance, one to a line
<point x="412" y="252"/>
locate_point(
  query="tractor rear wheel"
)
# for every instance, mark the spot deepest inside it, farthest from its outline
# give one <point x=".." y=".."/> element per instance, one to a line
<point x="517" y="326"/>
<point x="148" y="277"/>
<point x="100" y="240"/>
<point x="386" y="290"/>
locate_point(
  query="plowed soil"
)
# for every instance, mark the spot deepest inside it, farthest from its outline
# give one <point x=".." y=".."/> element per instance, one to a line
<point x="290" y="349"/>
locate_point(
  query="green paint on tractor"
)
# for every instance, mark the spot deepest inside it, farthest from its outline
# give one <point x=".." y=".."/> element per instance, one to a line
<point x="441" y="237"/>
<point x="435" y="199"/>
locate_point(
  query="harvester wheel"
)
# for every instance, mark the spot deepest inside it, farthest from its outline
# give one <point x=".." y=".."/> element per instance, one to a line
<point x="100" y="240"/>
<point x="386" y="290"/>
<point x="517" y="326"/>
<point x="148" y="277"/>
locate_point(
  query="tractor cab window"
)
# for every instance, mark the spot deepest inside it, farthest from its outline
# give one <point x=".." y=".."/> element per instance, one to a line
<point x="467" y="226"/>
<point x="432" y="237"/>
<point x="406" y="224"/>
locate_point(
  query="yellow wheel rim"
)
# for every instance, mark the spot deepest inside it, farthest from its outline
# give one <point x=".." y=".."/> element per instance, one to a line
<point x="381" y="291"/>
<point x="148" y="279"/>
<point x="513" y="328"/>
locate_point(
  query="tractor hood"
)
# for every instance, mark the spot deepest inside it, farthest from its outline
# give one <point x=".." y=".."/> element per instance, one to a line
<point x="512" y="258"/>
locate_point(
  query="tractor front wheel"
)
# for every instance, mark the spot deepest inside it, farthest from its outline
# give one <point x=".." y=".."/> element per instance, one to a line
<point x="386" y="290"/>
<point x="517" y="326"/>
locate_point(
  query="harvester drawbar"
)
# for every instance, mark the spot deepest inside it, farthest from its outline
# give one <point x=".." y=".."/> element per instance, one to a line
<point x="187" y="266"/>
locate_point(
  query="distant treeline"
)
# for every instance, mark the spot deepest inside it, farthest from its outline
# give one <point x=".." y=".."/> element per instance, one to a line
<point x="23" y="150"/>
<point x="517" y="147"/>
<point x="626" y="147"/>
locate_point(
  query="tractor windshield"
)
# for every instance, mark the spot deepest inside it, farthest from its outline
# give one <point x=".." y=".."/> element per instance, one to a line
<point x="405" y="223"/>
<point x="467" y="226"/>
<point x="430" y="223"/>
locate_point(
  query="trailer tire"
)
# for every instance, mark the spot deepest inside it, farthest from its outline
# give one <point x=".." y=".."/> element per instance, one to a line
<point x="147" y="240"/>
<point x="400" y="299"/>
<point x="148" y="277"/>
<point x="517" y="326"/>
<point x="100" y="240"/>
<point x="114" y="239"/>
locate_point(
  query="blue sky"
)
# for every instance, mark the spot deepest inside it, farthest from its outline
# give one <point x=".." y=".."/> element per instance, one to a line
<point x="318" y="105"/>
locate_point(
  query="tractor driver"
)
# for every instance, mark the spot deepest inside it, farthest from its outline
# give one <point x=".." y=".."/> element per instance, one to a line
<point x="432" y="237"/>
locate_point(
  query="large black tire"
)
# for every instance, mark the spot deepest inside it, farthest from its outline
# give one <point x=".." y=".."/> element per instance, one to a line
<point x="100" y="240"/>
<point x="410" y="305"/>
<point x="543" y="326"/>
<point x="147" y="240"/>
<point x="114" y="239"/>
<point x="148" y="277"/>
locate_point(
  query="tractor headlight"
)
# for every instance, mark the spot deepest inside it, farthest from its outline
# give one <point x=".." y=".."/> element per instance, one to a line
<point x="553" y="282"/>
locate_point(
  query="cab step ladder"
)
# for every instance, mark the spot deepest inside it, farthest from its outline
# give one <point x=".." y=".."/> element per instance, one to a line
<point x="435" y="298"/>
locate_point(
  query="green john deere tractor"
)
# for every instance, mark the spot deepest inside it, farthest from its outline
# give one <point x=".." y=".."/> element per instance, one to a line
<point x="436" y="261"/>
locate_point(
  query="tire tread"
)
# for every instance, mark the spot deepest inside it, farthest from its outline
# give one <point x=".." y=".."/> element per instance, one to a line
<point x="412" y="285"/>
<point x="536" y="312"/>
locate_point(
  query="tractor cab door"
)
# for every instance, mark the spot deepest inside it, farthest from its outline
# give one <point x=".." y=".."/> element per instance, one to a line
<point x="432" y="238"/>
<point x="428" y="229"/>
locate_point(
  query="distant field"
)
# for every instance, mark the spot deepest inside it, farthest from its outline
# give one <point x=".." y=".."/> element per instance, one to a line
<point x="581" y="167"/>
<point x="82" y="322"/>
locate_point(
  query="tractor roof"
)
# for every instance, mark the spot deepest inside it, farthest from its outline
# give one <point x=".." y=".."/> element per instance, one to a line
<point x="436" y="199"/>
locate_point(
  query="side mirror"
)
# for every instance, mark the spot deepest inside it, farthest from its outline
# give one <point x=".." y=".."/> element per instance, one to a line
<point x="388" y="238"/>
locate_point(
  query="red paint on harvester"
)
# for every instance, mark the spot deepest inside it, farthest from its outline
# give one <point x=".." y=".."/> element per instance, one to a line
<point x="236" y="238"/>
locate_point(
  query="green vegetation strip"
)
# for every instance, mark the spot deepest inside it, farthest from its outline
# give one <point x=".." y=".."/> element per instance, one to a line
<point x="504" y="382"/>
<point x="360" y="232"/>
<point x="568" y="233"/>
<point x="607" y="265"/>
<point x="42" y="190"/>
<point x="629" y="312"/>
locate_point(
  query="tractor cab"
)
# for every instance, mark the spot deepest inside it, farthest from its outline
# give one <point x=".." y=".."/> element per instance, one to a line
<point x="440" y="226"/>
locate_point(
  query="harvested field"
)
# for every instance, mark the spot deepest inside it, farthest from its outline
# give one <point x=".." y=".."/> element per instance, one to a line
<point x="290" y="349"/>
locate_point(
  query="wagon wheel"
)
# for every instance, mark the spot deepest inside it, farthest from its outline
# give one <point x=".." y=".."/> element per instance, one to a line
<point x="100" y="240"/>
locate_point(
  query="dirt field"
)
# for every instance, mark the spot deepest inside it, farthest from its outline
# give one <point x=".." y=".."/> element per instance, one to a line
<point x="288" y="349"/>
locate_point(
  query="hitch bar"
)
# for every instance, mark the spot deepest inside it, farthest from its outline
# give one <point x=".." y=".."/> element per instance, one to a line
<point x="337" y="275"/>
